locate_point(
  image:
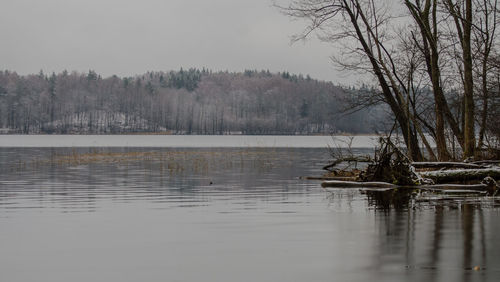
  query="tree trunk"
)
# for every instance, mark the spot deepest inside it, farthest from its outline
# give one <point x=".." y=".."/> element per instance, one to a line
<point x="484" y="114"/>
<point x="469" y="132"/>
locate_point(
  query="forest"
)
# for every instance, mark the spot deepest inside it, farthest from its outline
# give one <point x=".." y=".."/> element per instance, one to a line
<point x="191" y="101"/>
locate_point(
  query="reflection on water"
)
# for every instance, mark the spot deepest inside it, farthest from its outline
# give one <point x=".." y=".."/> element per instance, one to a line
<point x="442" y="245"/>
<point x="224" y="215"/>
<point x="398" y="199"/>
<point x="79" y="178"/>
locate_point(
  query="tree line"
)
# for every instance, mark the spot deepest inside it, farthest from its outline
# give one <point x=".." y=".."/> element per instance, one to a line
<point x="191" y="101"/>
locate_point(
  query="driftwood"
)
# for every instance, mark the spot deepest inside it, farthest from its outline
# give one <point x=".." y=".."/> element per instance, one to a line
<point x="460" y="175"/>
<point x="341" y="178"/>
<point x="364" y="190"/>
<point x="353" y="184"/>
<point x="384" y="185"/>
<point x="439" y="165"/>
<point x="488" y="186"/>
<point x="392" y="176"/>
<point x="486" y="162"/>
<point x="469" y="192"/>
<point x="391" y="165"/>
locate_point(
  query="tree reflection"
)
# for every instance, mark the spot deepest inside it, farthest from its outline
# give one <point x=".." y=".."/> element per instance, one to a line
<point x="435" y="241"/>
<point x="398" y="199"/>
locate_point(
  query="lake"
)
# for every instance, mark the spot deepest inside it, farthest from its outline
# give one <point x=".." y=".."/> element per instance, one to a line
<point x="220" y="208"/>
<point x="187" y="141"/>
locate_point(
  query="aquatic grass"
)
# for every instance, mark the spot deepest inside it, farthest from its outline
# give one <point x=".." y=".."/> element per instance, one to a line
<point x="174" y="162"/>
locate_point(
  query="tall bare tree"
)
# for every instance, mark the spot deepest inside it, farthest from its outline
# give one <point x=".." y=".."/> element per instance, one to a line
<point x="362" y="22"/>
<point x="424" y="13"/>
<point x="461" y="12"/>
<point x="484" y="38"/>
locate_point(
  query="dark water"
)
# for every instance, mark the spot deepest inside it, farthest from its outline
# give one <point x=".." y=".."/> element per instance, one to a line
<point x="147" y="214"/>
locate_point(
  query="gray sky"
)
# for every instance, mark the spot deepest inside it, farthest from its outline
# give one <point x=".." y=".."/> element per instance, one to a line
<point x="127" y="37"/>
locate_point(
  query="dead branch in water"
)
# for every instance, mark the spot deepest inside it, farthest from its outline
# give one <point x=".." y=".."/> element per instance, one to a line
<point x="441" y="165"/>
<point x="385" y="185"/>
<point x="341" y="178"/>
<point x="344" y="154"/>
<point x="487" y="162"/>
<point x="353" y="184"/>
<point x="393" y="172"/>
<point x="391" y="165"/>
<point x="488" y="186"/>
<point x="351" y="159"/>
<point x="461" y="175"/>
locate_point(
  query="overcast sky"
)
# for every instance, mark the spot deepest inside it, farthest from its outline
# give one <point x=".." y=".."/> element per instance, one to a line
<point x="127" y="37"/>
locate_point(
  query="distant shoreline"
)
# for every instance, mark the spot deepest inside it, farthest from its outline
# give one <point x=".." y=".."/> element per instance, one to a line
<point x="191" y="141"/>
<point x="185" y="134"/>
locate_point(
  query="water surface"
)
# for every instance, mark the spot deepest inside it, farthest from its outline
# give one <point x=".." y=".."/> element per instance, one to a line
<point x="191" y="141"/>
<point x="222" y="214"/>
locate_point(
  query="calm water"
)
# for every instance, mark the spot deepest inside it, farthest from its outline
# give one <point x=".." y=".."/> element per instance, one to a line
<point x="221" y="214"/>
<point x="186" y="141"/>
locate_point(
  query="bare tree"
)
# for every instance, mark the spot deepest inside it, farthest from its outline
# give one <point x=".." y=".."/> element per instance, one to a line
<point x="484" y="39"/>
<point x="359" y="26"/>
<point x="462" y="14"/>
<point x="424" y="13"/>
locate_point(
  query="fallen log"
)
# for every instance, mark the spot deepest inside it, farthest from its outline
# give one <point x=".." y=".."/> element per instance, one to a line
<point x="439" y="165"/>
<point x="364" y="190"/>
<point x="460" y="175"/>
<point x="353" y="184"/>
<point x="487" y="162"/>
<point x="341" y="178"/>
<point x="383" y="186"/>
<point x="488" y="186"/>
<point x="461" y="192"/>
